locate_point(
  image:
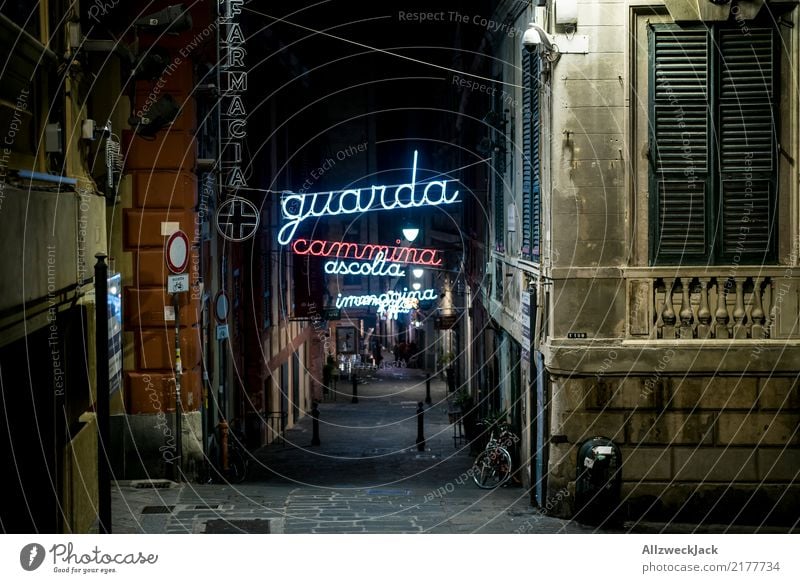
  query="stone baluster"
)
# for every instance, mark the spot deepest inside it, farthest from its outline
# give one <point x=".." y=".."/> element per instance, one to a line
<point x="668" y="313"/>
<point x="721" y="313"/>
<point x="686" y="314"/>
<point x="739" y="314"/>
<point x="770" y="308"/>
<point x="757" y="316"/>
<point x="704" y="312"/>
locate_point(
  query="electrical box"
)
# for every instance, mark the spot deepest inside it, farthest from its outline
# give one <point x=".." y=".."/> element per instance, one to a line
<point x="52" y="139"/>
<point x="87" y="129"/>
<point x="566" y="11"/>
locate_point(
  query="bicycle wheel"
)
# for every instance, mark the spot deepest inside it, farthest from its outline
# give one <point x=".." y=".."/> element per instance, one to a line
<point x="492" y="468"/>
<point x="237" y="467"/>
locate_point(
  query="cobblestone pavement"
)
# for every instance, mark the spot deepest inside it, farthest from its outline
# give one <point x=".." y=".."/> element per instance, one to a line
<point x="366" y="477"/>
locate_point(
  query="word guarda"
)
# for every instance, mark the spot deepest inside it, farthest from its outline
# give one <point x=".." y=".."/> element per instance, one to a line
<point x="296" y="207"/>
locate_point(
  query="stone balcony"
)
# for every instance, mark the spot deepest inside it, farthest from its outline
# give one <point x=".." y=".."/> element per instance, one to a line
<point x="700" y="304"/>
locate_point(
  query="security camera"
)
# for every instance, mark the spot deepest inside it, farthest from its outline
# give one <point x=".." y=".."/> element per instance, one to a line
<point x="172" y="19"/>
<point x="534" y="37"/>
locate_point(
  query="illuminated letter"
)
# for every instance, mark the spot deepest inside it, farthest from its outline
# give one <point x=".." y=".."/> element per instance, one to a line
<point x="325" y="210"/>
<point x="410" y="186"/>
<point x="235" y="36"/>
<point x="357" y="196"/>
<point x="288" y="230"/>
<point x="296" y="247"/>
<point x="317" y="248"/>
<point x="236" y="107"/>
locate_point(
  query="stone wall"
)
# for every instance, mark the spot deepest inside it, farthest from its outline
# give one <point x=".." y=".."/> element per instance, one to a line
<point x="721" y="449"/>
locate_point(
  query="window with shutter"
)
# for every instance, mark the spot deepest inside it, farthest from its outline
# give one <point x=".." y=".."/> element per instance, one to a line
<point x="531" y="183"/>
<point x="712" y="145"/>
<point x="499" y="153"/>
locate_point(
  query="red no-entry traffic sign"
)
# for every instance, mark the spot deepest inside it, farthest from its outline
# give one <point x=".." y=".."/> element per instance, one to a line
<point x="177" y="252"/>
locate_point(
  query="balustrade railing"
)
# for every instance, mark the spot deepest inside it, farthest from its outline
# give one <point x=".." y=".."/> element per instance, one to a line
<point x="703" y="306"/>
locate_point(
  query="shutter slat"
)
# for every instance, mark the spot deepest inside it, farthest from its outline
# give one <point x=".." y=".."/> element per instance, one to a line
<point x="747" y="225"/>
<point x="746" y="100"/>
<point x="682" y="218"/>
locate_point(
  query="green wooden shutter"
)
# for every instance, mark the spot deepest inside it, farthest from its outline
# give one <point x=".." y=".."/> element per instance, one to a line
<point x="499" y="170"/>
<point x="747" y="138"/>
<point x="679" y="144"/>
<point x="527" y="122"/>
<point x="531" y="174"/>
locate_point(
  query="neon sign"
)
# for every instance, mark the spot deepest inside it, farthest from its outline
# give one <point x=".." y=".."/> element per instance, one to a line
<point x="344" y="250"/>
<point x="391" y="302"/>
<point x="377" y="267"/>
<point x="299" y="207"/>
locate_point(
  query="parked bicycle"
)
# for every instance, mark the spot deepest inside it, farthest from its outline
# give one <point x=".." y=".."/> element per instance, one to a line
<point x="238" y="461"/>
<point x="493" y="466"/>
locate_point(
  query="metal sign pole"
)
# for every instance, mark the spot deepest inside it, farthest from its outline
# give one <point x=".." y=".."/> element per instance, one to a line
<point x="178" y="407"/>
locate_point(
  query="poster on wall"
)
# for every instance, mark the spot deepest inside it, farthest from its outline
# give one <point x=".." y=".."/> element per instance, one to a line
<point x="346" y="340"/>
<point x="115" y="332"/>
<point x="309" y="286"/>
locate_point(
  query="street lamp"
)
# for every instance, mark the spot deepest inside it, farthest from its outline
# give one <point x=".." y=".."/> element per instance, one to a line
<point x="410" y="233"/>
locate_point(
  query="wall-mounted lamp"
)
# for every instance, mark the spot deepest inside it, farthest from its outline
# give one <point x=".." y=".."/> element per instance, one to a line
<point x="417" y="272"/>
<point x="416" y="285"/>
<point x="535" y="37"/>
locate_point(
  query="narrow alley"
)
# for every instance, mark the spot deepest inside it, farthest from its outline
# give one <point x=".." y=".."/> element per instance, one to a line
<point x="367" y="476"/>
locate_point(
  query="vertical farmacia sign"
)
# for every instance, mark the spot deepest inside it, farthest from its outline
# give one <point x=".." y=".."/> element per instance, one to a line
<point x="237" y="218"/>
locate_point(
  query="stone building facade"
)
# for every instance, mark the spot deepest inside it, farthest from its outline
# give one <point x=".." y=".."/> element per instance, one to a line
<point x="653" y="166"/>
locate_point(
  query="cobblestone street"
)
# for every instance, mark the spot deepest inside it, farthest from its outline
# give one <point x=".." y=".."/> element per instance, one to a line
<point x="366" y="477"/>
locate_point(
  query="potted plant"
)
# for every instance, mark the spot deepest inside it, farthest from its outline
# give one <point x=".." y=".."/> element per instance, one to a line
<point x="460" y="402"/>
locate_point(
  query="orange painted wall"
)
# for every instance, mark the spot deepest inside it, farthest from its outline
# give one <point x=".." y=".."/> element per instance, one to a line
<point x="165" y="190"/>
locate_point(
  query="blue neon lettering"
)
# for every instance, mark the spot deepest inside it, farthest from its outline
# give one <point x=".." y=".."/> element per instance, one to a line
<point x="296" y="208"/>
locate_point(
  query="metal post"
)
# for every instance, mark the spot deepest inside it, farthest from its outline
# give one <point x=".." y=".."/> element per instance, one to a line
<point x="355" y="387"/>
<point x="102" y="408"/>
<point x="315" y="423"/>
<point x="428" y="390"/>
<point x="178" y="408"/>
<point x="420" y="427"/>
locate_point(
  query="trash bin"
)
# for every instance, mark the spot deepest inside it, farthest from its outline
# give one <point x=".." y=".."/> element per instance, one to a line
<point x="598" y="482"/>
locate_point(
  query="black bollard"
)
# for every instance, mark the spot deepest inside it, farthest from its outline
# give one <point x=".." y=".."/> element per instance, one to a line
<point x="315" y="423"/>
<point x="355" y="388"/>
<point x="428" y="390"/>
<point x="420" y="428"/>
